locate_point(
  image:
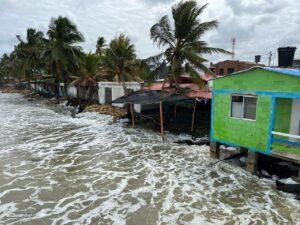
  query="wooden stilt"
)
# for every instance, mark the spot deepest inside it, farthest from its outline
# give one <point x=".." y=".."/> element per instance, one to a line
<point x="175" y="111"/>
<point x="193" y="116"/>
<point x="161" y="120"/>
<point x="132" y="115"/>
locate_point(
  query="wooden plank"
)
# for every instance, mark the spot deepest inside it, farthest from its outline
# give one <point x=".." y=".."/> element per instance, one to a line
<point x="193" y="116"/>
<point x="132" y="115"/>
<point x="286" y="156"/>
<point x="161" y="120"/>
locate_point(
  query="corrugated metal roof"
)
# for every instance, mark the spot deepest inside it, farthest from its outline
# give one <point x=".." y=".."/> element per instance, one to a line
<point x="286" y="71"/>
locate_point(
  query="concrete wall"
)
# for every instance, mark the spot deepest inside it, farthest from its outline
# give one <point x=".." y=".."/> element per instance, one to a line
<point x="72" y="91"/>
<point x="117" y="92"/>
<point x="295" y="118"/>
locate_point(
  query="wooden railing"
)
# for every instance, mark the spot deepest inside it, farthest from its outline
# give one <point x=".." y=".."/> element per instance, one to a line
<point x="293" y="140"/>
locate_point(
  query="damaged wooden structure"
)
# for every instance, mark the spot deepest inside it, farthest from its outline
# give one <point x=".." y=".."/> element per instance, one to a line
<point x="155" y="97"/>
<point x="258" y="109"/>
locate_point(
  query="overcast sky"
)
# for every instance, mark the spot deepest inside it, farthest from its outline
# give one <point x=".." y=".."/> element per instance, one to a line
<point x="259" y="26"/>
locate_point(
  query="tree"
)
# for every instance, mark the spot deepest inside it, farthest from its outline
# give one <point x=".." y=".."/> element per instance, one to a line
<point x="4" y="70"/>
<point x="88" y="74"/>
<point x="184" y="48"/>
<point x="62" y="53"/>
<point x="119" y="61"/>
<point x="29" y="53"/>
<point x="100" y="45"/>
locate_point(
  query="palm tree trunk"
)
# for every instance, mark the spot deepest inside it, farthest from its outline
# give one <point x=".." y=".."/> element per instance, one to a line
<point x="58" y="78"/>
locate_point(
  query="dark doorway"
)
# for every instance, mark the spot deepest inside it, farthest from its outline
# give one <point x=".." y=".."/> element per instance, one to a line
<point x="108" y="95"/>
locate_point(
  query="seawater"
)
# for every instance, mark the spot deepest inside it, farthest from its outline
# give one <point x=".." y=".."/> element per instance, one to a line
<point x="55" y="169"/>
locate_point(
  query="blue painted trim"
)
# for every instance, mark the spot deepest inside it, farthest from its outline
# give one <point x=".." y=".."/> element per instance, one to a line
<point x="266" y="93"/>
<point x="271" y="125"/>
<point x="281" y="71"/>
<point x="236" y="145"/>
<point x="286" y="142"/>
<point x="212" y="116"/>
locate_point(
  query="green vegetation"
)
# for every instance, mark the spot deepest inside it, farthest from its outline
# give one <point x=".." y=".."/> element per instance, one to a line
<point x="57" y="56"/>
<point x="184" y="48"/>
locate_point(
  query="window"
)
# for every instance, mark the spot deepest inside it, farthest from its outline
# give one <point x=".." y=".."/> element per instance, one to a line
<point x="221" y="72"/>
<point x="230" y="70"/>
<point x="243" y="107"/>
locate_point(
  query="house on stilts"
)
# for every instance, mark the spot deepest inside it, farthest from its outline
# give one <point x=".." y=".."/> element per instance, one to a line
<point x="257" y="109"/>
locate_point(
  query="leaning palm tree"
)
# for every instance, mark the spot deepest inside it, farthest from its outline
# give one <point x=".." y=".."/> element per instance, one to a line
<point x="119" y="61"/>
<point x="184" y="48"/>
<point x="88" y="74"/>
<point x="29" y="53"/>
<point x="62" y="53"/>
<point x="100" y="45"/>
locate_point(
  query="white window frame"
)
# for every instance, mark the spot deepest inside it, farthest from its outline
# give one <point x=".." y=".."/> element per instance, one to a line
<point x="244" y="96"/>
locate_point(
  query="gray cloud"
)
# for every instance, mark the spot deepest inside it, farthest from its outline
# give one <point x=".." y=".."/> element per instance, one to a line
<point x="259" y="26"/>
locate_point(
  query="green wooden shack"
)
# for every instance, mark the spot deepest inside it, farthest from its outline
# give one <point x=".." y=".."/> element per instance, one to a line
<point x="258" y="109"/>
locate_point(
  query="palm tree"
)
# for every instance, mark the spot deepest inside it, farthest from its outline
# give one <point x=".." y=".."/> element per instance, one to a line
<point x="89" y="73"/>
<point x="62" y="53"/>
<point x="119" y="61"/>
<point x="100" y="45"/>
<point x="184" y="48"/>
<point x="29" y="53"/>
<point x="4" y="70"/>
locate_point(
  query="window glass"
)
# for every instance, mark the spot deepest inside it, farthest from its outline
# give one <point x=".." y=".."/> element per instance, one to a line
<point x="250" y="108"/>
<point x="230" y="70"/>
<point x="221" y="72"/>
<point x="237" y="106"/>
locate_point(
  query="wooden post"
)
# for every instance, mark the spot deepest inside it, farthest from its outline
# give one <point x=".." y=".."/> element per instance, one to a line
<point x="161" y="120"/>
<point x="175" y="111"/>
<point x="193" y="116"/>
<point x="214" y="150"/>
<point x="132" y="115"/>
<point x="298" y="176"/>
<point x="252" y="162"/>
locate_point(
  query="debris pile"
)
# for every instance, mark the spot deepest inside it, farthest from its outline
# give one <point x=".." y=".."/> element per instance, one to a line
<point x="15" y="90"/>
<point x="116" y="112"/>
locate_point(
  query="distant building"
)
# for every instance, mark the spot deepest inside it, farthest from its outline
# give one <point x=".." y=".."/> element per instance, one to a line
<point x="296" y="63"/>
<point x="231" y="66"/>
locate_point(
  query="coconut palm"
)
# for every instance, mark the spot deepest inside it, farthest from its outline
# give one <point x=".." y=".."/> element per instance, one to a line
<point x="88" y="74"/>
<point x="62" y="53"/>
<point x="29" y="53"/>
<point x="100" y="45"/>
<point x="184" y="48"/>
<point x="119" y="61"/>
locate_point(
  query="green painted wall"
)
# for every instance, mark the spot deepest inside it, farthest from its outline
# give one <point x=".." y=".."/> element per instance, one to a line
<point x="258" y="80"/>
<point x="245" y="133"/>
<point x="283" y="113"/>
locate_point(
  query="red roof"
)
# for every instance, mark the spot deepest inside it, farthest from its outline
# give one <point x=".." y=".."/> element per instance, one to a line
<point x="195" y="92"/>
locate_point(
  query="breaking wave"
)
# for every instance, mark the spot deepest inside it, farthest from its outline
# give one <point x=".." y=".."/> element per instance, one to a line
<point x="56" y="169"/>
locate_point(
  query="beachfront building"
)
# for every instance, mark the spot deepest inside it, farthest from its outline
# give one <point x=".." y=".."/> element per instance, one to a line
<point x="109" y="91"/>
<point x="258" y="109"/>
<point x="228" y="67"/>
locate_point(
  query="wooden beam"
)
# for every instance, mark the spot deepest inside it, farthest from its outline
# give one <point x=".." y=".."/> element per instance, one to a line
<point x="161" y="120"/>
<point x="132" y="115"/>
<point x="193" y="116"/>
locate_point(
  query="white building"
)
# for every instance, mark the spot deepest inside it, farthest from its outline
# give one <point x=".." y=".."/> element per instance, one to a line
<point x="109" y="91"/>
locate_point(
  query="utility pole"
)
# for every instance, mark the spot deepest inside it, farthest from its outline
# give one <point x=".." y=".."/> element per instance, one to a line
<point x="270" y="58"/>
<point x="233" y="48"/>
